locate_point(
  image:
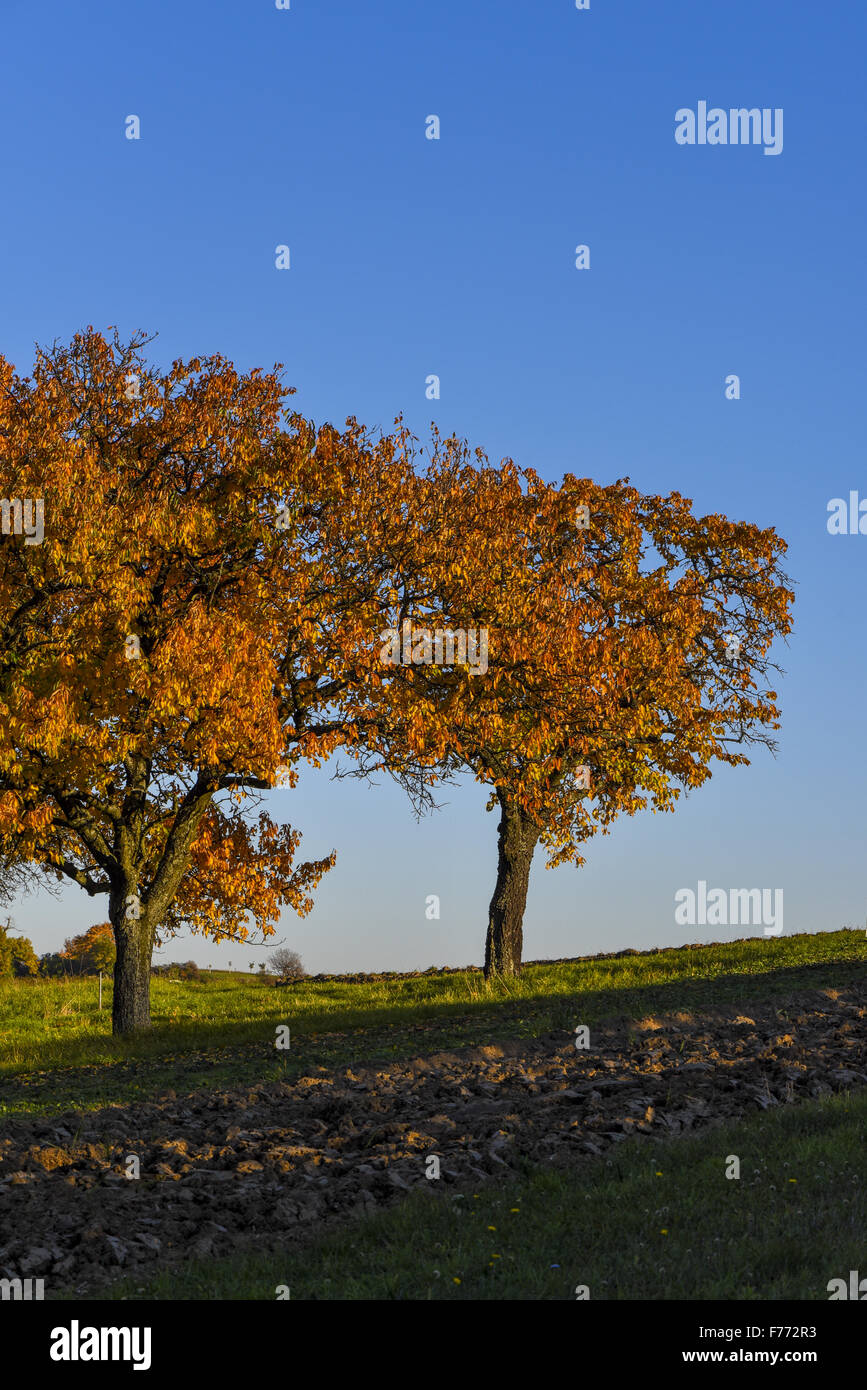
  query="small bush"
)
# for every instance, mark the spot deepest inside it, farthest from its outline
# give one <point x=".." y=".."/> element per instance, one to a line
<point x="177" y="970"/>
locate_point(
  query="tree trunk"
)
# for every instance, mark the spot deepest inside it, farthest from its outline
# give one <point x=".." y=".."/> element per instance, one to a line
<point x="516" y="842"/>
<point x="131" y="1005"/>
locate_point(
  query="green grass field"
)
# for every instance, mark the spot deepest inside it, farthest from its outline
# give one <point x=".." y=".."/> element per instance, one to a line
<point x="57" y="1052"/>
<point x="655" y="1219"/>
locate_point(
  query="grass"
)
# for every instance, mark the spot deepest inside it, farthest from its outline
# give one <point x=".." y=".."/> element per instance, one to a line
<point x="652" y="1219"/>
<point x="657" y="1220"/>
<point x="57" y="1051"/>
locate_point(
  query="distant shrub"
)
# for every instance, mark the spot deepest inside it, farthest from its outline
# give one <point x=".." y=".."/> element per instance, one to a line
<point x="177" y="970"/>
<point x="287" y="966"/>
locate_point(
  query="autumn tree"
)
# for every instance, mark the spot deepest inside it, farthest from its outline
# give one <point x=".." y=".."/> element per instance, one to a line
<point x="24" y="959"/>
<point x="198" y="618"/>
<point x="17" y="956"/>
<point x="627" y="649"/>
<point x="93" y="951"/>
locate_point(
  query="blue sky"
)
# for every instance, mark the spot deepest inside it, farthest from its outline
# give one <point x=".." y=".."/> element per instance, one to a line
<point x="456" y="257"/>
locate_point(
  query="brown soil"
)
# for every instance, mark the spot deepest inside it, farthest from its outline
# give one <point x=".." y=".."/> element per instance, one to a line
<point x="252" y="1166"/>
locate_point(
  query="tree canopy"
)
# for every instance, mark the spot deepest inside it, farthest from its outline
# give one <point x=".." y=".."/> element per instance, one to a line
<point x="218" y="591"/>
<point x="191" y="627"/>
<point x="628" y="648"/>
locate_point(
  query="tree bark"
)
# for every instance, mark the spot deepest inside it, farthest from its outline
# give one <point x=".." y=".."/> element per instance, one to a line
<point x="516" y="843"/>
<point x="134" y="934"/>
<point x="131" y="1005"/>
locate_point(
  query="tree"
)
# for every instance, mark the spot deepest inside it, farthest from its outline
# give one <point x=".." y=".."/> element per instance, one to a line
<point x="24" y="959"/>
<point x="628" y="648"/>
<point x="198" y="619"/>
<point x="52" y="964"/>
<point x="287" y="965"/>
<point x="93" y="951"/>
<point x="103" y="953"/>
<point x="17" y="956"/>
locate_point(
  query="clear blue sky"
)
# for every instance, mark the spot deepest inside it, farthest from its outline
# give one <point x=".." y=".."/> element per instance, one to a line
<point x="411" y="257"/>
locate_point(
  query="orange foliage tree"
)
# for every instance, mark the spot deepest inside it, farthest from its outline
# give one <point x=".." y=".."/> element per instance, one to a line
<point x="94" y="950"/>
<point x="627" y="648"/>
<point x="216" y="597"/>
<point x="190" y="626"/>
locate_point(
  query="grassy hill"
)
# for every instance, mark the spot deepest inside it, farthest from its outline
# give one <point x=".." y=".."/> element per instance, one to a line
<point x="654" y="1216"/>
<point x="56" y="1049"/>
